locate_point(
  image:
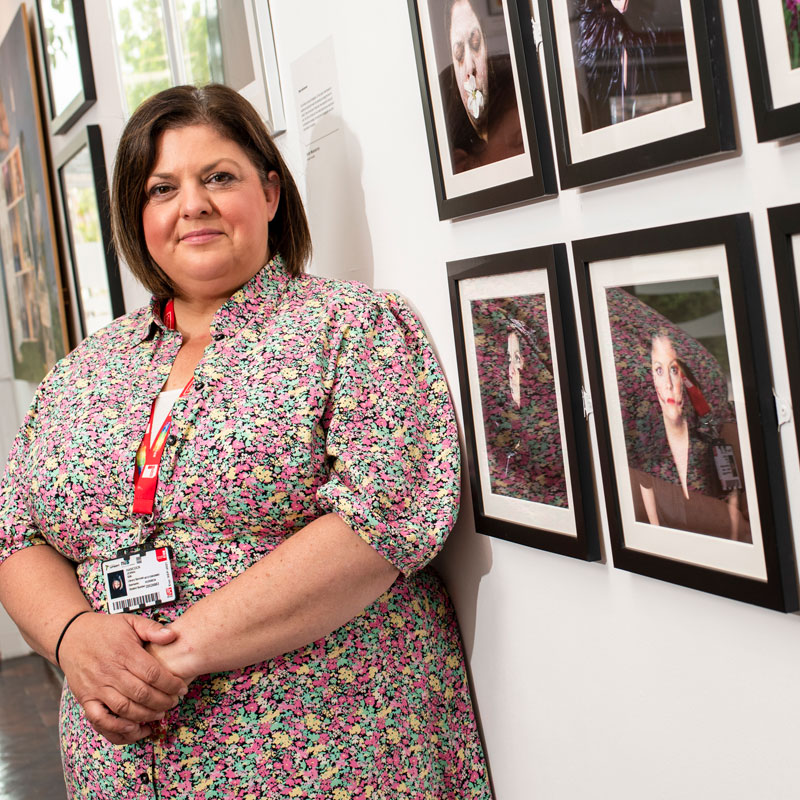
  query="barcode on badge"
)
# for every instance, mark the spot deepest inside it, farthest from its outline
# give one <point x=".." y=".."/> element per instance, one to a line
<point x="130" y="602"/>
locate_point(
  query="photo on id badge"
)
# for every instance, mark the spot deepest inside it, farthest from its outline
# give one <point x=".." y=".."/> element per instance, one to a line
<point x="139" y="579"/>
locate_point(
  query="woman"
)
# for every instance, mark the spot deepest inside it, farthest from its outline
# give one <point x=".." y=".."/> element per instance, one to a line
<point x="520" y="410"/>
<point x="688" y="475"/>
<point x="309" y="470"/>
<point x="482" y="118"/>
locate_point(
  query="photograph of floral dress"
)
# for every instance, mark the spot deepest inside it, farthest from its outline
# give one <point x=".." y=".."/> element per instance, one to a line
<point x="518" y="399"/>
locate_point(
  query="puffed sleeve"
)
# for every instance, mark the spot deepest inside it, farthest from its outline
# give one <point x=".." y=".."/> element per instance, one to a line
<point x="17" y="528"/>
<point x="391" y="438"/>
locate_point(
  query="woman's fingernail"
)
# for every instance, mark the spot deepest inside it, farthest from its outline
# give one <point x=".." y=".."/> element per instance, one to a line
<point x="183" y="692"/>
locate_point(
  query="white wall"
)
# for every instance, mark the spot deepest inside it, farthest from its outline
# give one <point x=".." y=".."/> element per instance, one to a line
<point x="590" y="682"/>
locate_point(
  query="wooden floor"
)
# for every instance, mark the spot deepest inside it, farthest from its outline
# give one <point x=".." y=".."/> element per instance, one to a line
<point x="30" y="764"/>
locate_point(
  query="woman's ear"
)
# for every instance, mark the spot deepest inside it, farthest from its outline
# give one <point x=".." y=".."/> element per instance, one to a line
<point x="272" y="192"/>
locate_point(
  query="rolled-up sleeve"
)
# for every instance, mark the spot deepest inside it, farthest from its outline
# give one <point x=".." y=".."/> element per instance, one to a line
<point x="391" y="436"/>
<point x="17" y="528"/>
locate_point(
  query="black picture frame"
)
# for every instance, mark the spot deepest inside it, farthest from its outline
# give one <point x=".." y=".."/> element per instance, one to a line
<point x="602" y="127"/>
<point x="463" y="185"/>
<point x="774" y="83"/>
<point x="699" y="279"/>
<point x="784" y="226"/>
<point x="507" y="296"/>
<point x="83" y="187"/>
<point x="69" y="104"/>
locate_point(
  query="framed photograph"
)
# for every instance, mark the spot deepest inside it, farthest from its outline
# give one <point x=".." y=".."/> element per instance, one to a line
<point x="483" y="103"/>
<point x="784" y="225"/>
<point x="685" y="417"/>
<point x="635" y="85"/>
<point x="520" y="377"/>
<point x="84" y="194"/>
<point x="772" y="45"/>
<point x="31" y="273"/>
<point x="68" y="62"/>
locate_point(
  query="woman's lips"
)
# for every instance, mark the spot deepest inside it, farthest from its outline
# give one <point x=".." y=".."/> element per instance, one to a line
<point x="200" y="236"/>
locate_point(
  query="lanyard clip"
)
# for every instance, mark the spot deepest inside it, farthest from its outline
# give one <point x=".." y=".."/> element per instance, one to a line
<point x="144" y="527"/>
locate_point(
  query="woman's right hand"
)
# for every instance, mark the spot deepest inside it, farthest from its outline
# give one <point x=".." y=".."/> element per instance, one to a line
<point x="120" y="686"/>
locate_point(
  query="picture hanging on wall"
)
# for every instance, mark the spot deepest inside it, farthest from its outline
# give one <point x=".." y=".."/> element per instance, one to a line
<point x="686" y="424"/>
<point x="483" y="104"/>
<point x="784" y="224"/>
<point x="84" y="195"/>
<point x="771" y="33"/>
<point x="519" y="373"/>
<point x="67" y="60"/>
<point x="635" y="85"/>
<point x="28" y="252"/>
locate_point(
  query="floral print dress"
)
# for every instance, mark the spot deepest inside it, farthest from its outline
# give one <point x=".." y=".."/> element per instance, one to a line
<point x="313" y="397"/>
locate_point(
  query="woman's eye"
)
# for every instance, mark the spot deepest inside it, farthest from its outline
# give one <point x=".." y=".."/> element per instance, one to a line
<point x="475" y="41"/>
<point x="159" y="190"/>
<point x="220" y="178"/>
<point x="458" y="53"/>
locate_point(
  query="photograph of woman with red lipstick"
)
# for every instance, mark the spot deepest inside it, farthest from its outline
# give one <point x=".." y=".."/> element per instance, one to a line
<point x="680" y="427"/>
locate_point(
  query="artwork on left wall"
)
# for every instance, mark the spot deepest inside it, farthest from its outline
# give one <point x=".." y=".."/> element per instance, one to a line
<point x="28" y="251"/>
<point x="67" y="61"/>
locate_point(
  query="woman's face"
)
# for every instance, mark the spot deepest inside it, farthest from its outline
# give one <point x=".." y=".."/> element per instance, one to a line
<point x="207" y="212"/>
<point x="667" y="378"/>
<point x="470" y="61"/>
<point x="515" y="365"/>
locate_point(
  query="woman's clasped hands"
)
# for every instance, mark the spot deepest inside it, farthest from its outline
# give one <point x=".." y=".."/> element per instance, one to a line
<point x="120" y="685"/>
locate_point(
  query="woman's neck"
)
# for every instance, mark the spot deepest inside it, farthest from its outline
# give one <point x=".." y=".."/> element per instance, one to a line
<point x="193" y="317"/>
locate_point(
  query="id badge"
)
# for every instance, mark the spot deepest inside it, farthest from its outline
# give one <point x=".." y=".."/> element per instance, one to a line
<point x="725" y="463"/>
<point x="139" y="578"/>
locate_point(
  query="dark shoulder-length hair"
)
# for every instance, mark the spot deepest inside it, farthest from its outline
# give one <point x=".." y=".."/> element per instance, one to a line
<point x="231" y="116"/>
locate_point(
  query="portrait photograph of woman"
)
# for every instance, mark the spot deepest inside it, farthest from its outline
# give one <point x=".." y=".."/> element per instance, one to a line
<point x="477" y="84"/>
<point x="483" y="102"/>
<point x="681" y="400"/>
<point x="679" y="421"/>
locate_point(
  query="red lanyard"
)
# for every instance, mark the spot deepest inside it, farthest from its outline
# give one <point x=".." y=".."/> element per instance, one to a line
<point x="148" y="456"/>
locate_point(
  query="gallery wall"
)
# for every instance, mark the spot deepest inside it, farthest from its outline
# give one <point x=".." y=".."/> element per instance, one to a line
<point x="590" y="682"/>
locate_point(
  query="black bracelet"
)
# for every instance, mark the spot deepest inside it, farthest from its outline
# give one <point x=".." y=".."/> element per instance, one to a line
<point x="64" y="630"/>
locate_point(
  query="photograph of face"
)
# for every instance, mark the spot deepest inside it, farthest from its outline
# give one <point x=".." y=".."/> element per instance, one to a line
<point x="476" y="83"/>
<point x="518" y="399"/>
<point x="630" y="59"/>
<point x="116" y="584"/>
<point x="680" y="428"/>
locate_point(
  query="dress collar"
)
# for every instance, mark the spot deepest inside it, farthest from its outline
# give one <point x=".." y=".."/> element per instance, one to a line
<point x="259" y="296"/>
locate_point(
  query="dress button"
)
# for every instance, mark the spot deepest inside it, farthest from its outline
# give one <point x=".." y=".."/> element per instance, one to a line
<point x="218" y="337"/>
<point x="198" y="385"/>
<point x="172" y="439"/>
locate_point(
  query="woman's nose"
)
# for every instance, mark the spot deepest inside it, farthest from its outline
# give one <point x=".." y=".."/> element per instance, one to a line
<point x="195" y="201"/>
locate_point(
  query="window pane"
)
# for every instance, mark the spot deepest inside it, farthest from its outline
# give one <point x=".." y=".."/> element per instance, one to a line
<point x="142" y="48"/>
<point x="198" y="23"/>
